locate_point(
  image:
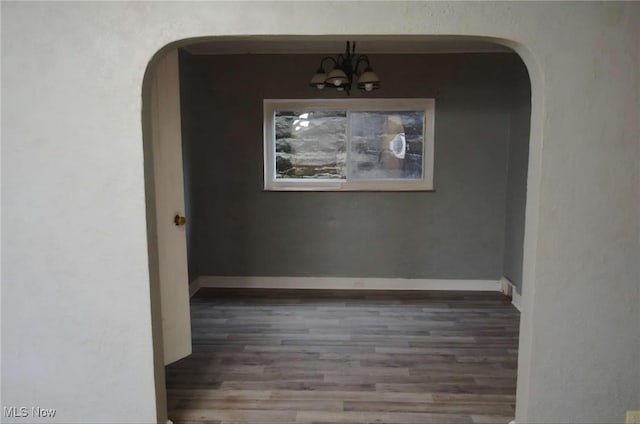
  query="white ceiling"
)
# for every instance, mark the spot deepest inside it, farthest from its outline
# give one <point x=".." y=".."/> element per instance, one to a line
<point x="336" y="44"/>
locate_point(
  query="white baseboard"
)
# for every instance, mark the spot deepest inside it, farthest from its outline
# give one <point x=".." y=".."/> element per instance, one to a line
<point x="509" y="289"/>
<point x="194" y="286"/>
<point x="345" y="283"/>
<point x="516" y="300"/>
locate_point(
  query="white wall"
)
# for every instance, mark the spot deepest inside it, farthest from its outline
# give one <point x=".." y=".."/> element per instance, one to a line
<point x="76" y="328"/>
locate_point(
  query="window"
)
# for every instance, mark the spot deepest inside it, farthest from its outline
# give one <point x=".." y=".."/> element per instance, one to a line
<point x="348" y="144"/>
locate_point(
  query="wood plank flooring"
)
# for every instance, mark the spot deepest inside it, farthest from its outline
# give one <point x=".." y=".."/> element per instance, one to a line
<point x="307" y="356"/>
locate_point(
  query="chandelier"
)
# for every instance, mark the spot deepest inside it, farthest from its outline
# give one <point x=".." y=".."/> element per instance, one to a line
<point x="345" y="70"/>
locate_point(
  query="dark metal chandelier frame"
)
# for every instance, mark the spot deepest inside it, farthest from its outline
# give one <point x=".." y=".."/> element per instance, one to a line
<point x="346" y="72"/>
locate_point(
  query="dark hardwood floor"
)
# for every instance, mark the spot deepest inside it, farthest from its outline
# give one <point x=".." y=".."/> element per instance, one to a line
<point x="307" y="356"/>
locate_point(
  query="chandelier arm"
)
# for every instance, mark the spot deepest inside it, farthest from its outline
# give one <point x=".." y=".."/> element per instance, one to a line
<point x="361" y="59"/>
<point x="340" y="60"/>
<point x="347" y="51"/>
<point x="325" y="59"/>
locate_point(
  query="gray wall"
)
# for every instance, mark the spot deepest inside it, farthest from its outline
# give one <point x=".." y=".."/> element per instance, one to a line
<point x="236" y="228"/>
<point x="517" y="177"/>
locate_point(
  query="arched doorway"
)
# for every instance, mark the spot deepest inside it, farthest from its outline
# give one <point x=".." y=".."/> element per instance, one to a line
<point x="530" y="222"/>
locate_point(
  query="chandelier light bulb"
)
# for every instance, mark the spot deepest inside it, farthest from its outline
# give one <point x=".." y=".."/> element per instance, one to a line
<point x="337" y="83"/>
<point x="368" y="86"/>
<point x="319" y="86"/>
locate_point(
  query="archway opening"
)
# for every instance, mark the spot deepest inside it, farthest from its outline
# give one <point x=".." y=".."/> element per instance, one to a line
<point x="483" y="103"/>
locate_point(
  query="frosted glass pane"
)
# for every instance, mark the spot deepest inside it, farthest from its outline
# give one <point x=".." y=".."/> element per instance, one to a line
<point x="387" y="145"/>
<point x="311" y="144"/>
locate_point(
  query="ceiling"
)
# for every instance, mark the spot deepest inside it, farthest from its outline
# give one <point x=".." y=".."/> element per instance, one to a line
<point x="336" y="44"/>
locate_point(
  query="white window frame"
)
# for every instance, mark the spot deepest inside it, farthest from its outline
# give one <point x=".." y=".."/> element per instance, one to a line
<point x="271" y="106"/>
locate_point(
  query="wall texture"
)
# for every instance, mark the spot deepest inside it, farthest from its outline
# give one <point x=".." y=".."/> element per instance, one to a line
<point x="455" y="232"/>
<point x="76" y="321"/>
<point x="519" y="129"/>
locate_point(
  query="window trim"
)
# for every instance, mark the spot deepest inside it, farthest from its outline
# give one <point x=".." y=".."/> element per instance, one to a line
<point x="271" y="106"/>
